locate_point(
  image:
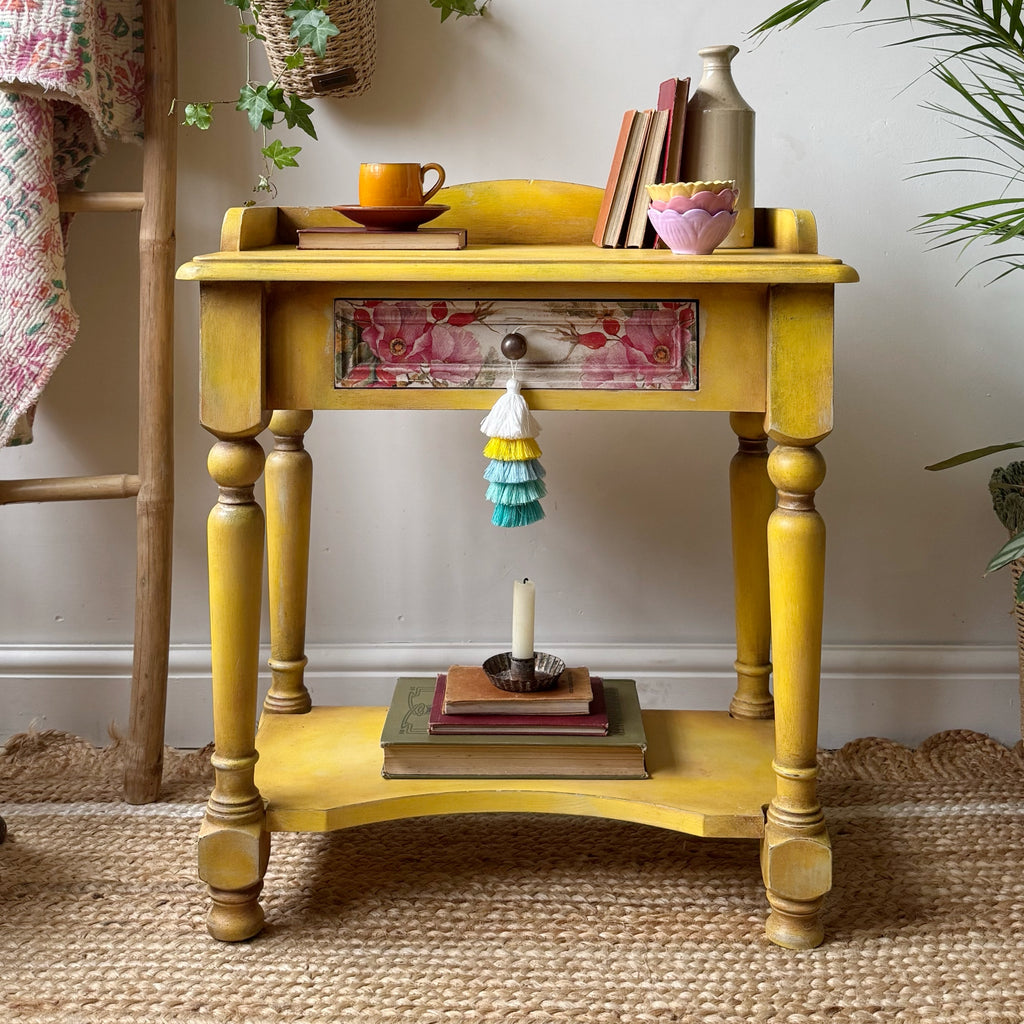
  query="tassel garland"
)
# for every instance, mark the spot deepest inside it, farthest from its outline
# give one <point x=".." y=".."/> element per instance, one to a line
<point x="513" y="474"/>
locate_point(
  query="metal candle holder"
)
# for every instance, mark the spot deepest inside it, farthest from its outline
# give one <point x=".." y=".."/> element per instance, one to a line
<point x="524" y="675"/>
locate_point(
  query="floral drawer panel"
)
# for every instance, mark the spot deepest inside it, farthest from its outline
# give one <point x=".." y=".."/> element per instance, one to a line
<point x="456" y="343"/>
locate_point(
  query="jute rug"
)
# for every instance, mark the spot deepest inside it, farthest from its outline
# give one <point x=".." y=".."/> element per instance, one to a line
<point x="515" y="919"/>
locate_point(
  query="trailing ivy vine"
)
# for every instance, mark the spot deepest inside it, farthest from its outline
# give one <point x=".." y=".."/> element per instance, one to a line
<point x="268" y="105"/>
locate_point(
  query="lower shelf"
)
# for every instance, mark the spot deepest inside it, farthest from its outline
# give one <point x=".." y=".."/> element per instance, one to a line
<point x="710" y="775"/>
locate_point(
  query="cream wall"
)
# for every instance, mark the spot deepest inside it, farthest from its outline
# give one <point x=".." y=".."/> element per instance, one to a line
<point x="631" y="562"/>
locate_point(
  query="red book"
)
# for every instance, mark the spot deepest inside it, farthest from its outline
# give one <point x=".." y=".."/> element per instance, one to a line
<point x="594" y="723"/>
<point x="672" y="96"/>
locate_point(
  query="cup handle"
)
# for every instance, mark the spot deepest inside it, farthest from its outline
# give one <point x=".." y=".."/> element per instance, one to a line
<point x="437" y="184"/>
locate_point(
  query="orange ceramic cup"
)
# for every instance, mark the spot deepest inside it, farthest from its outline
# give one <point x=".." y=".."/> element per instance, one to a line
<point x="396" y="184"/>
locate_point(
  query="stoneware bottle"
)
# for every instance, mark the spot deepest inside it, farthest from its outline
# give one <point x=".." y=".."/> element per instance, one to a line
<point x="718" y="143"/>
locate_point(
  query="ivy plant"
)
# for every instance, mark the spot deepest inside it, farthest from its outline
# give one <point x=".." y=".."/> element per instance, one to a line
<point x="268" y="105"/>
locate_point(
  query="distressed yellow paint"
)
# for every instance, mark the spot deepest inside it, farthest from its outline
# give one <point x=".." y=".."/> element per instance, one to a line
<point x="799" y="363"/>
<point x="300" y="340"/>
<point x="564" y="264"/>
<point x="249" y="227"/>
<point x="232" y="400"/>
<point x="710" y="776"/>
<point x="765" y="357"/>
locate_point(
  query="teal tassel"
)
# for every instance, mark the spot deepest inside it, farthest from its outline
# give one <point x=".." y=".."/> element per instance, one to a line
<point x="516" y="494"/>
<point x="517" y="515"/>
<point x="513" y="472"/>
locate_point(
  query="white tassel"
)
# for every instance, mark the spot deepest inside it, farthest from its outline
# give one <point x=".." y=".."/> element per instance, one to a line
<point x="510" y="417"/>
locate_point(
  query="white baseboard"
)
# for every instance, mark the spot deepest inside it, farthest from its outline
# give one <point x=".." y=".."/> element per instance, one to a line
<point x="905" y="693"/>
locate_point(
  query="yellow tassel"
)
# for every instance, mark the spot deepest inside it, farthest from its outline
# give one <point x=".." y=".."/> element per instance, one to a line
<point x="518" y="450"/>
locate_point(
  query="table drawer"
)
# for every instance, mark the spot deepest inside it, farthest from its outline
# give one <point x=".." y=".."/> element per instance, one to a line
<point x="455" y="343"/>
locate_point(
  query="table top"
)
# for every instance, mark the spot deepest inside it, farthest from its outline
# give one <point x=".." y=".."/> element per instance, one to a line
<point x="522" y="262"/>
<point x="258" y="244"/>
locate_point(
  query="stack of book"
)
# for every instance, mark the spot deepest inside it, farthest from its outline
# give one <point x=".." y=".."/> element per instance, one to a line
<point x="648" y="150"/>
<point x="460" y="725"/>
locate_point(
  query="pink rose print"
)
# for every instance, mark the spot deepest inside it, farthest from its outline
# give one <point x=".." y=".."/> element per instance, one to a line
<point x="396" y="332"/>
<point x="410" y="348"/>
<point x="652" y="345"/>
<point x="455" y="354"/>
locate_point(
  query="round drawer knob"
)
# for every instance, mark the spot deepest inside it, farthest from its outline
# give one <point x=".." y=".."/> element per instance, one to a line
<point x="513" y="346"/>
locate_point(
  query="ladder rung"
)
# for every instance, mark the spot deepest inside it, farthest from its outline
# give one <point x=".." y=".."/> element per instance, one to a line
<point x="100" y="202"/>
<point x="69" y="488"/>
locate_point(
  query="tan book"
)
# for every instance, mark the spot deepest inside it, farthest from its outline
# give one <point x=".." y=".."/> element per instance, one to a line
<point x="358" y="238"/>
<point x="639" y="229"/>
<point x="410" y="751"/>
<point x="469" y="691"/>
<point x="618" y="193"/>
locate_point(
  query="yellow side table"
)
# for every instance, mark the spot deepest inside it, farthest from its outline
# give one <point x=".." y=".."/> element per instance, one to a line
<point x="287" y="331"/>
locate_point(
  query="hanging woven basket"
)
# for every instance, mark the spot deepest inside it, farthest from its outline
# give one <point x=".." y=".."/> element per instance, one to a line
<point x="347" y="67"/>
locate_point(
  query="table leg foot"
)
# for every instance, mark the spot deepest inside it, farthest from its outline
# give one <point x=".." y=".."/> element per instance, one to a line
<point x="794" y="924"/>
<point x="235" y="915"/>
<point x="232" y="861"/>
<point x="796" y="862"/>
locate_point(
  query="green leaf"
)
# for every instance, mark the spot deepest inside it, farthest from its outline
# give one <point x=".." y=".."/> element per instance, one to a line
<point x="311" y="28"/>
<point x="250" y="31"/>
<point x="1009" y="552"/>
<point x="280" y="155"/>
<point x="978" y="58"/>
<point x="296" y="115"/>
<point x="199" y="115"/>
<point x="242" y="5"/>
<point x="977" y="453"/>
<point x="460" y="8"/>
<point x="294" y="60"/>
<point x="261" y="103"/>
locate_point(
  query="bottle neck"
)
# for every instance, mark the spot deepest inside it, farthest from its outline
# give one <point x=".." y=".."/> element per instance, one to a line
<point x="717" y="79"/>
<point x="718" y="56"/>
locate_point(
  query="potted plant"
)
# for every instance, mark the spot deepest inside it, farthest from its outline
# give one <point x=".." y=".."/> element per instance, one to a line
<point x="979" y="60"/>
<point x="314" y="48"/>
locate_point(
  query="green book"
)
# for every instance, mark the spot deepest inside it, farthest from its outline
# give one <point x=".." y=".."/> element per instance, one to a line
<point x="410" y="751"/>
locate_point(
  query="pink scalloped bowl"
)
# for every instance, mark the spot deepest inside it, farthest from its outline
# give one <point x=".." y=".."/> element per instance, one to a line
<point x="713" y="202"/>
<point x="692" y="232"/>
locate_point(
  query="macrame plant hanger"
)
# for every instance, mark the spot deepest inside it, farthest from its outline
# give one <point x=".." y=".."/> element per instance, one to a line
<point x="514" y="474"/>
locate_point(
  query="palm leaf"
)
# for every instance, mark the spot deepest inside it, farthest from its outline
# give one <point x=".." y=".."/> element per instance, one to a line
<point x="977" y="453"/>
<point x="979" y="59"/>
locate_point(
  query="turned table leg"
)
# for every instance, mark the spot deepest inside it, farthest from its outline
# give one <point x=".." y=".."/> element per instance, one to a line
<point x="752" y="501"/>
<point x="289" y="486"/>
<point x="234" y="846"/>
<point x="796" y="858"/>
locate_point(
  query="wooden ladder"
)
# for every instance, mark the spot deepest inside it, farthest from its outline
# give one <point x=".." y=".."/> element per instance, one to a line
<point x="152" y="485"/>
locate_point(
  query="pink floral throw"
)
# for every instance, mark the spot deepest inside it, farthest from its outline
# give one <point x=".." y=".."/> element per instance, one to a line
<point x="71" y="78"/>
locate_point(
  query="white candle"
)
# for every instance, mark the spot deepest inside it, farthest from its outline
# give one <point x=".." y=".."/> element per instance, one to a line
<point x="523" y="599"/>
